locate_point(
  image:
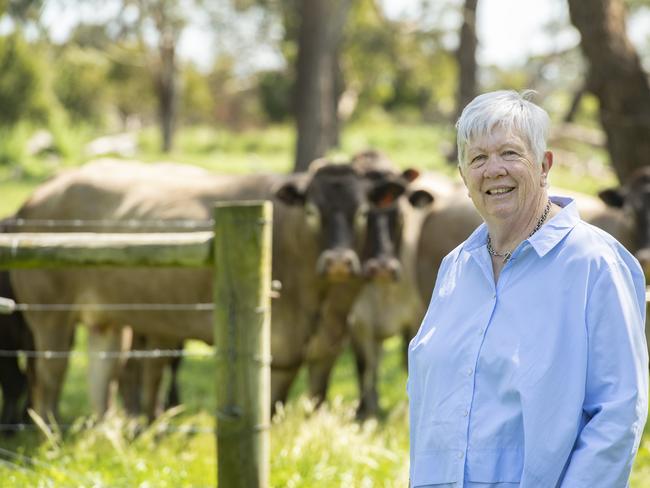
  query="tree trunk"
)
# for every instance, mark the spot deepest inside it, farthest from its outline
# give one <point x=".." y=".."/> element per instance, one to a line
<point x="167" y="89"/>
<point x="616" y="77"/>
<point x="321" y="29"/>
<point x="466" y="57"/>
<point x="467" y="67"/>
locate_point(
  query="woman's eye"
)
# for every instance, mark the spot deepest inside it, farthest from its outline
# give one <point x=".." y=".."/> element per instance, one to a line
<point x="478" y="159"/>
<point x="510" y="155"/>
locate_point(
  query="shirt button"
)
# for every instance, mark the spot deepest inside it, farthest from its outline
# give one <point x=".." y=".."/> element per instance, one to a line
<point x="460" y="455"/>
<point x="480" y="331"/>
<point x="469" y="371"/>
<point x="465" y="413"/>
<point x="494" y="296"/>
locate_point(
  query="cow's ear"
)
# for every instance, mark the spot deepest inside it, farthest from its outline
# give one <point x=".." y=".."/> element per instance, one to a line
<point x="290" y="194"/>
<point x="613" y="197"/>
<point x="410" y="174"/>
<point x="421" y="198"/>
<point x="385" y="194"/>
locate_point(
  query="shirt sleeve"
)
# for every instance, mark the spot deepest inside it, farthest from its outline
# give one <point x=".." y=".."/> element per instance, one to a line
<point x="616" y="404"/>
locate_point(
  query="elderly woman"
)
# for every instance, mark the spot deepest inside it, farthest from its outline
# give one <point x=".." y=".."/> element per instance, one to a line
<point x="530" y="367"/>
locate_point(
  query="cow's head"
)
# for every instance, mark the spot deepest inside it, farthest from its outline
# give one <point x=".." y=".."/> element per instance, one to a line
<point x="634" y="197"/>
<point x="386" y="213"/>
<point x="335" y="198"/>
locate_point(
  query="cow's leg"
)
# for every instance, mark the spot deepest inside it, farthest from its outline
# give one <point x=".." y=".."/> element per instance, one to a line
<point x="153" y="369"/>
<point x="320" y="372"/>
<point x="130" y="379"/>
<point x="50" y="372"/>
<point x="14" y="385"/>
<point x="102" y="370"/>
<point x="281" y="380"/>
<point x="367" y="351"/>
<point x="173" y="394"/>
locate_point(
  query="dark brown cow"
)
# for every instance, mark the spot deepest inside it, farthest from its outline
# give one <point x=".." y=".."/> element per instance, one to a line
<point x="394" y="305"/>
<point x="14" y="336"/>
<point x="634" y="199"/>
<point x="319" y="226"/>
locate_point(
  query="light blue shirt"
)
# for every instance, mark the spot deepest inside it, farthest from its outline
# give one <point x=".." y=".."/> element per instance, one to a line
<point x="539" y="381"/>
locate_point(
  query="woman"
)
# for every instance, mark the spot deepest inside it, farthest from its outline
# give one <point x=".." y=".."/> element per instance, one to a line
<point x="530" y="367"/>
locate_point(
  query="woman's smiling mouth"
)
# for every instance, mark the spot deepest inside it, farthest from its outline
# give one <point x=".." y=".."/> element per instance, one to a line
<point x="500" y="190"/>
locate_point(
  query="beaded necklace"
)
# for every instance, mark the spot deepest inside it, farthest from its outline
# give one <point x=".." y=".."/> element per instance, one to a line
<point x="508" y="254"/>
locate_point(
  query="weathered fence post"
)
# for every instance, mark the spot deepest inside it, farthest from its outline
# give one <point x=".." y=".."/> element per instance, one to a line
<point x="242" y="278"/>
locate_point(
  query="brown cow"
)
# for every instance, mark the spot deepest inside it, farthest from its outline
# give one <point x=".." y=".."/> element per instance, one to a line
<point x="380" y="262"/>
<point x="395" y="305"/>
<point x="318" y="228"/>
<point x="634" y="199"/>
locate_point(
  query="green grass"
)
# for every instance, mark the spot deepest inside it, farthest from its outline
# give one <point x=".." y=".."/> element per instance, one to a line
<point x="324" y="447"/>
<point x="309" y="448"/>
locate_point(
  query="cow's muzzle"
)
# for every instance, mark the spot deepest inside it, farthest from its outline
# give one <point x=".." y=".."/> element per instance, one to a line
<point x="338" y="264"/>
<point x="382" y="269"/>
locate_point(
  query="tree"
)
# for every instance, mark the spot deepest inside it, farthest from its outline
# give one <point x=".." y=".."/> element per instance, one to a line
<point x="321" y="28"/>
<point x="467" y="66"/>
<point x="617" y="79"/>
<point x="466" y="57"/>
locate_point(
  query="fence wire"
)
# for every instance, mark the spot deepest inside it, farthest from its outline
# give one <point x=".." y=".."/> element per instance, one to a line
<point x="126" y="224"/>
<point x="136" y="354"/>
<point x="114" y="307"/>
<point x="169" y="429"/>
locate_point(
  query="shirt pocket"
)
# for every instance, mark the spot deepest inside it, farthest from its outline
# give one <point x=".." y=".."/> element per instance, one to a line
<point x="494" y="465"/>
<point x="435" y="468"/>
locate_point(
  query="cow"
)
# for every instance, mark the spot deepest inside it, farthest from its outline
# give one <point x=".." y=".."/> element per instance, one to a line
<point x="14" y="336"/>
<point x="633" y="198"/>
<point x="389" y="185"/>
<point x="394" y="305"/>
<point x="318" y="227"/>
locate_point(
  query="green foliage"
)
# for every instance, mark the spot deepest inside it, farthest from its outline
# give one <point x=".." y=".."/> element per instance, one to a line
<point x="80" y="84"/>
<point x="24" y="90"/>
<point x="13" y="150"/>
<point x="388" y="63"/>
<point x="197" y="103"/>
<point x="275" y="89"/>
<point x="132" y="89"/>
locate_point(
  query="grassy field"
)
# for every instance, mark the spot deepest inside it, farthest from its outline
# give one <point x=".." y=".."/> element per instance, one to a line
<point x="325" y="447"/>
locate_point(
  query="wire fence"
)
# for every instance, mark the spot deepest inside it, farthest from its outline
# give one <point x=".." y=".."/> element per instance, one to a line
<point x="134" y="224"/>
<point x="135" y="354"/>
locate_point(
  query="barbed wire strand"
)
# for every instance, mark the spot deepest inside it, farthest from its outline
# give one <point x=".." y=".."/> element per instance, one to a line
<point x="124" y="223"/>
<point x="114" y="307"/>
<point x="128" y="223"/>
<point x="64" y="427"/>
<point x="137" y="354"/>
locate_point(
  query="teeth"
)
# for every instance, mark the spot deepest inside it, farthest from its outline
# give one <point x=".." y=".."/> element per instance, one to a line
<point x="498" y="191"/>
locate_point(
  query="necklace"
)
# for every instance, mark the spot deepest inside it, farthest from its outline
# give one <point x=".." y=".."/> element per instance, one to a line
<point x="508" y="254"/>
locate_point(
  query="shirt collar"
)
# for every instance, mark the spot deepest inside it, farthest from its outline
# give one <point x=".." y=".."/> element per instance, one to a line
<point x="546" y="238"/>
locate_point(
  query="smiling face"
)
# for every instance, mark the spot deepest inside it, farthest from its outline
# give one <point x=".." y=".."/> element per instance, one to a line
<point x="504" y="181"/>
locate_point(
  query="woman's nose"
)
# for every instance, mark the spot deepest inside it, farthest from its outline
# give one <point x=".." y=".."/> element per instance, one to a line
<point x="494" y="167"/>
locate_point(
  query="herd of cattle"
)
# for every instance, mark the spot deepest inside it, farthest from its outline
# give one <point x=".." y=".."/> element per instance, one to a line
<point x="356" y="247"/>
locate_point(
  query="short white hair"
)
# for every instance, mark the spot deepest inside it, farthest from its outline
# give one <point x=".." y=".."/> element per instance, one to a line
<point x="507" y="109"/>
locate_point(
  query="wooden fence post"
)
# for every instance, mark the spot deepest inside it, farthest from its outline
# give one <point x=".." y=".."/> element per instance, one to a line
<point x="242" y="279"/>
